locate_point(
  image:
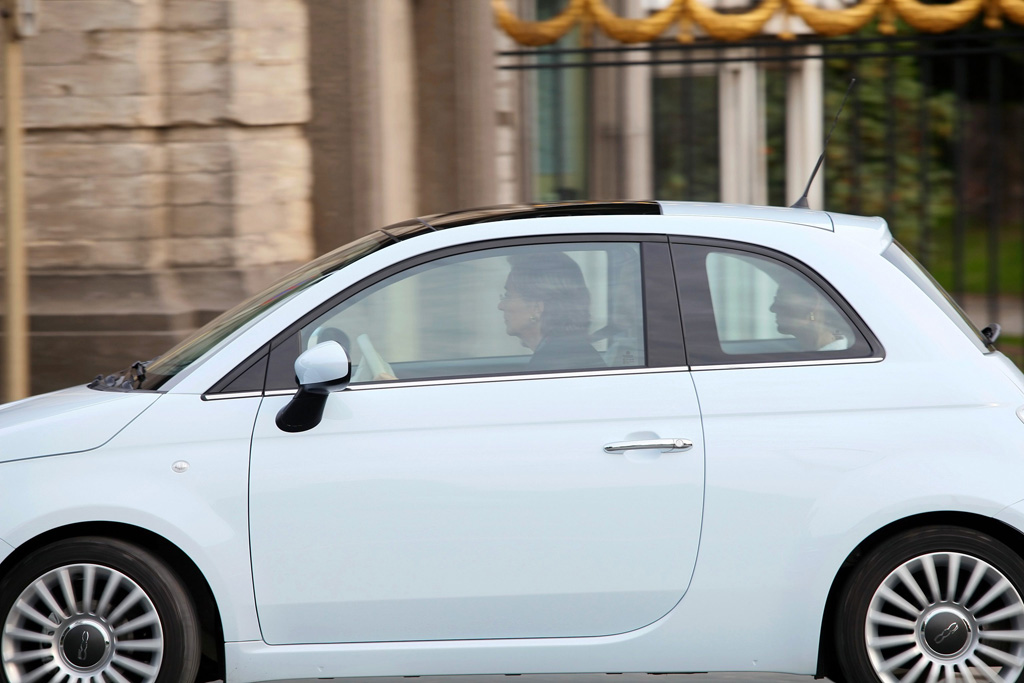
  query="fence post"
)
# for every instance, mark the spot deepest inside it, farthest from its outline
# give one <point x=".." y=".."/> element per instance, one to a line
<point x="16" y="351"/>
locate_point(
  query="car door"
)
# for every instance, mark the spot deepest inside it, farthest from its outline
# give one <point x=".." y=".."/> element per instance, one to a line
<point x="461" y="489"/>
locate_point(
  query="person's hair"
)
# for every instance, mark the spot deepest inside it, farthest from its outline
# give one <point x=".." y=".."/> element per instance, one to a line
<point x="556" y="280"/>
<point x="809" y="298"/>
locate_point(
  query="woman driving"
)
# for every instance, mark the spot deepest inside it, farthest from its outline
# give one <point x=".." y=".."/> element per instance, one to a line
<point x="546" y="305"/>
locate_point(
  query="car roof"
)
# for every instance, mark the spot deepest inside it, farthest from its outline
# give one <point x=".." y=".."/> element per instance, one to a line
<point x="506" y="212"/>
<point x="859" y="227"/>
<point x="816" y="219"/>
<point x="778" y="214"/>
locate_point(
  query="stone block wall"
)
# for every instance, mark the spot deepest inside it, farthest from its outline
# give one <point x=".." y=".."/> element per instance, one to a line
<point x="168" y="171"/>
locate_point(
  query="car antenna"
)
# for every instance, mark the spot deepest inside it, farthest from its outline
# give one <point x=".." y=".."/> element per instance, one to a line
<point x="802" y="202"/>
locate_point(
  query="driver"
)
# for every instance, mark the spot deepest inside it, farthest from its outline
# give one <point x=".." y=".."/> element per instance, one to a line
<point x="546" y="305"/>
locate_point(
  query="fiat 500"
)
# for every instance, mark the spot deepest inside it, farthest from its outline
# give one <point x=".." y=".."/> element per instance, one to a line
<point x="592" y="437"/>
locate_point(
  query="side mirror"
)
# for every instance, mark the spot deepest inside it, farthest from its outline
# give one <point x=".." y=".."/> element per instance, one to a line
<point x="318" y="370"/>
<point x="992" y="332"/>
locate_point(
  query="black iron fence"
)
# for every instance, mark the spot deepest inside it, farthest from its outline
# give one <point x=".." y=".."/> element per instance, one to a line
<point x="932" y="139"/>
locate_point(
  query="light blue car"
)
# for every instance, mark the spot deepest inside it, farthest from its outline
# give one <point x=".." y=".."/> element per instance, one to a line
<point x="566" y="438"/>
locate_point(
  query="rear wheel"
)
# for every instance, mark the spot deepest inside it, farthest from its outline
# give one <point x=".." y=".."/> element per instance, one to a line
<point x="96" y="609"/>
<point x="934" y="604"/>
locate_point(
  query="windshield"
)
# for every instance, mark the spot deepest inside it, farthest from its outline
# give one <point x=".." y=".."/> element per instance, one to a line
<point x="155" y="374"/>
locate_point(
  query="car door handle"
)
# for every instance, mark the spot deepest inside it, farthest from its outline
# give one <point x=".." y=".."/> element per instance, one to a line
<point x="663" y="445"/>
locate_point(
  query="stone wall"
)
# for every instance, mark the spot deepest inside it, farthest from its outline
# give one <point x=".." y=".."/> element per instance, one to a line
<point x="168" y="172"/>
<point x="404" y="119"/>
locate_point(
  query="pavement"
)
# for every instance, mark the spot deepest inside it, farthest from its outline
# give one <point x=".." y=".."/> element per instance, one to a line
<point x="592" y="678"/>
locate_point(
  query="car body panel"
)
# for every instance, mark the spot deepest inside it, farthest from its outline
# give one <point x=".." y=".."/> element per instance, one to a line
<point x="871" y="231"/>
<point x="772" y="214"/>
<point x="489" y="511"/>
<point x="1012" y="515"/>
<point x="800" y="500"/>
<point x="202" y="511"/>
<point x="1009" y="370"/>
<point x="67" y="421"/>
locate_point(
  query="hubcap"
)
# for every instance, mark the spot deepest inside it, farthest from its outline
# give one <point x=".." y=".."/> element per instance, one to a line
<point x="946" y="616"/>
<point x="946" y="631"/>
<point x="82" y="621"/>
<point x="84" y="645"/>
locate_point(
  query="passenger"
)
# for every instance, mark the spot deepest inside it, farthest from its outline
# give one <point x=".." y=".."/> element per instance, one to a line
<point x="546" y="305"/>
<point x="803" y="313"/>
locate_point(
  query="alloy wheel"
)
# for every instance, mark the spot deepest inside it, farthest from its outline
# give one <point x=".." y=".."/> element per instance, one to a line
<point x="946" y="616"/>
<point x="82" y="622"/>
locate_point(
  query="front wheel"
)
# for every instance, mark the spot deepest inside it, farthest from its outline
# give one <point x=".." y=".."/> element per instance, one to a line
<point x="934" y="604"/>
<point x="96" y="609"/>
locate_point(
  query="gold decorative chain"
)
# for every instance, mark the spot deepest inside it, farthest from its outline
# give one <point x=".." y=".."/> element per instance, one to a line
<point x="735" y="27"/>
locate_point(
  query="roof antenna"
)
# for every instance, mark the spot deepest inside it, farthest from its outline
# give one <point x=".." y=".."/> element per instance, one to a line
<point x="802" y="202"/>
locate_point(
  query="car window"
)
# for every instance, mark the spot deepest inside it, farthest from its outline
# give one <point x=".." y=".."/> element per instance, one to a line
<point x="536" y="308"/>
<point x="745" y="307"/>
<point x="166" y="367"/>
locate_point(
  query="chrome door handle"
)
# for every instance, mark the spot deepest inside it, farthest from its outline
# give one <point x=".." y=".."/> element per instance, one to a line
<point x="663" y="445"/>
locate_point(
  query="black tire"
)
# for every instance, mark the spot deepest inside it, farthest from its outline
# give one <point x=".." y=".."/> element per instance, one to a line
<point x="954" y="626"/>
<point x="158" y="630"/>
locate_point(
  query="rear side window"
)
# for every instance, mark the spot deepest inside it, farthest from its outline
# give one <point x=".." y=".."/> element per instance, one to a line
<point x="743" y="307"/>
<point x="909" y="266"/>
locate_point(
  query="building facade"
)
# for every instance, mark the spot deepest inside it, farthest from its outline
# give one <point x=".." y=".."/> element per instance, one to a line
<point x="167" y="171"/>
<point x="181" y="154"/>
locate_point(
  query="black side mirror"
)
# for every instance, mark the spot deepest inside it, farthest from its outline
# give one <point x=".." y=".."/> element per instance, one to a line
<point x="991" y="333"/>
<point x="319" y="370"/>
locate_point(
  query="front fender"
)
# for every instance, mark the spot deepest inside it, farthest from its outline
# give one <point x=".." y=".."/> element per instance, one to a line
<point x="131" y="480"/>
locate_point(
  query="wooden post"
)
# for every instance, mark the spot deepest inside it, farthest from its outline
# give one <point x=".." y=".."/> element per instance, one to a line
<point x="16" y="348"/>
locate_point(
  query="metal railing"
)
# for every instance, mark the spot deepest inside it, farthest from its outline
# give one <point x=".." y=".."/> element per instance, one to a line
<point x="932" y="140"/>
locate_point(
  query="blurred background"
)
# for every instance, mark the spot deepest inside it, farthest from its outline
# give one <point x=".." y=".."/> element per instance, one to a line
<point x="178" y="155"/>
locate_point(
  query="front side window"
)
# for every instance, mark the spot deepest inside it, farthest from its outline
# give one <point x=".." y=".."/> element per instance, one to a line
<point x="746" y="307"/>
<point x="536" y="308"/>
